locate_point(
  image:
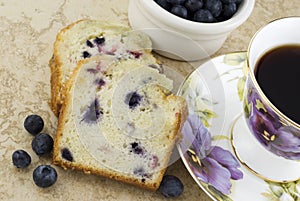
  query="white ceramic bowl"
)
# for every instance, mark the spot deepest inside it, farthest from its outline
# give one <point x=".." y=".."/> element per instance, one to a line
<point x="177" y="38"/>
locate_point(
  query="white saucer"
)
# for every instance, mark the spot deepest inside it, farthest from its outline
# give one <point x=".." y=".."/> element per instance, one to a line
<point x="242" y="170"/>
<point x="257" y="159"/>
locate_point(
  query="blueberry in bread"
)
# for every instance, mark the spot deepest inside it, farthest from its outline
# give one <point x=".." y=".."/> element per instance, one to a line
<point x="85" y="38"/>
<point x="119" y="120"/>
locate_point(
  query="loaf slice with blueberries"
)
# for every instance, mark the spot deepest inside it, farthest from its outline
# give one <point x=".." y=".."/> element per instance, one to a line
<point x="85" y="38"/>
<point x="119" y="120"/>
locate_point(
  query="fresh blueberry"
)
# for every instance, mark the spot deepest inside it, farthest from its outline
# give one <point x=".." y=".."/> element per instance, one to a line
<point x="133" y="100"/>
<point x="171" y="186"/>
<point x="42" y="144"/>
<point x="214" y="6"/>
<point x="99" y="40"/>
<point x="21" y="159"/>
<point x="203" y="15"/>
<point x="66" y="154"/>
<point x="89" y="43"/>
<point x="229" y="10"/>
<point x="44" y="176"/>
<point x="180" y="11"/>
<point x="193" y="5"/>
<point x="86" y="54"/>
<point x="176" y="2"/>
<point x="164" y="4"/>
<point x="34" y="124"/>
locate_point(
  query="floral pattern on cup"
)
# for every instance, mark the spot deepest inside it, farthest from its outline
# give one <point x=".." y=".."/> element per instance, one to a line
<point x="273" y="132"/>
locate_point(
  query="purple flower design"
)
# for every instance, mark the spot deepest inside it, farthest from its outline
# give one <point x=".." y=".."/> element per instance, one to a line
<point x="218" y="166"/>
<point x="287" y="142"/>
<point x="262" y="124"/>
<point x="271" y="133"/>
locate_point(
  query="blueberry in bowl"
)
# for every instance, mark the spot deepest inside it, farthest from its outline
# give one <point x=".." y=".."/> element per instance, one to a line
<point x="198" y="10"/>
<point x="188" y="30"/>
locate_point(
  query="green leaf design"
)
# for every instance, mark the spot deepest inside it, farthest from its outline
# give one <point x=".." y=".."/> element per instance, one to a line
<point x="205" y="122"/>
<point x="245" y="68"/>
<point x="192" y="86"/>
<point x="277" y="190"/>
<point x="269" y="196"/>
<point x="283" y="191"/>
<point x="237" y="59"/>
<point x="205" y="115"/>
<point x="220" y="137"/>
<point x="247" y="108"/>
<point x="234" y="59"/>
<point x="259" y="105"/>
<point x="217" y="194"/>
<point x="241" y="87"/>
<point x="209" y="114"/>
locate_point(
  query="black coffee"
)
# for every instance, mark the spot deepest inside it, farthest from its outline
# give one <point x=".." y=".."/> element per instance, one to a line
<point x="278" y="75"/>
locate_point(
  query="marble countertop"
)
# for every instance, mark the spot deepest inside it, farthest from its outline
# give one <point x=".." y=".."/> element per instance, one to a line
<point x="27" y="31"/>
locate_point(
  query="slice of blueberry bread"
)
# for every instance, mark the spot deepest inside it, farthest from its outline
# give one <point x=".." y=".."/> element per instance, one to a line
<point x="86" y="38"/>
<point x="119" y="120"/>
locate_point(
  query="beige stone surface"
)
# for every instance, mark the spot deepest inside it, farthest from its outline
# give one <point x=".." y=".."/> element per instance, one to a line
<point x="27" y="32"/>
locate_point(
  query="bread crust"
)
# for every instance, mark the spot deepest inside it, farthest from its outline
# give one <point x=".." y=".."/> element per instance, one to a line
<point x="55" y="67"/>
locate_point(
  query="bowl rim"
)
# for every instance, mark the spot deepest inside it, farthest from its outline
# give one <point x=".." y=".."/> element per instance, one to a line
<point x="179" y="23"/>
